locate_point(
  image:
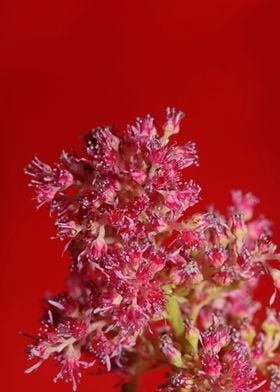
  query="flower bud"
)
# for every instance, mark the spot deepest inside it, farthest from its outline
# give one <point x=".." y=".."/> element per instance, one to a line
<point x="172" y="354"/>
<point x="192" y="334"/>
<point x="217" y="256"/>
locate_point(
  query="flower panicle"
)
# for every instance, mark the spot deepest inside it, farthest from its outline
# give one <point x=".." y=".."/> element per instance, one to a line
<point x="150" y="284"/>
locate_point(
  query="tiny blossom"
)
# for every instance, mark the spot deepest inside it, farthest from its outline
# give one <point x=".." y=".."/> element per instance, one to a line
<point x="70" y="368"/>
<point x="47" y="181"/>
<point x="215" y="338"/>
<point x="244" y="203"/>
<point x="151" y="285"/>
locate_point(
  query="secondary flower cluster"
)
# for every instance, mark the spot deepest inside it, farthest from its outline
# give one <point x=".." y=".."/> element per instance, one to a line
<point x="148" y="286"/>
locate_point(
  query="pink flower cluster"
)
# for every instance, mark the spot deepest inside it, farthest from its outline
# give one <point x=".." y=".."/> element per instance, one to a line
<point x="150" y="286"/>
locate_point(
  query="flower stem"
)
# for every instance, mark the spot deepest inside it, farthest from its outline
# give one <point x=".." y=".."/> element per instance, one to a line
<point x="175" y="318"/>
<point x="131" y="386"/>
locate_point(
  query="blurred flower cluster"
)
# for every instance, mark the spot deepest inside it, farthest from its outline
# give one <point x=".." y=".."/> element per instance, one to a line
<point x="151" y="286"/>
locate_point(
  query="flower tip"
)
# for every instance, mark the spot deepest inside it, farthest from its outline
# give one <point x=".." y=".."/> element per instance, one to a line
<point x="172" y="124"/>
<point x="33" y="367"/>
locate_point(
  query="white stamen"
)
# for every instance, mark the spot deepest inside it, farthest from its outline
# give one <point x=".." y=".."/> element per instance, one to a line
<point x="272" y="298"/>
<point x="56" y="304"/>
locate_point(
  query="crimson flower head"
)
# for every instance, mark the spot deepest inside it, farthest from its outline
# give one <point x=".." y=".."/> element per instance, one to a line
<point x="151" y="285"/>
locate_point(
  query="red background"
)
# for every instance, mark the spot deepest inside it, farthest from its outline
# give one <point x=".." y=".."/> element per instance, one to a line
<point x="67" y="66"/>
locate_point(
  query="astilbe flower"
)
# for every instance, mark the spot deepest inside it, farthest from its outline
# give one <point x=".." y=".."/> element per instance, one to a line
<point x="148" y="286"/>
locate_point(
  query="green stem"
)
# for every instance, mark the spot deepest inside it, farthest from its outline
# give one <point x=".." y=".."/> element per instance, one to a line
<point x="175" y="317"/>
